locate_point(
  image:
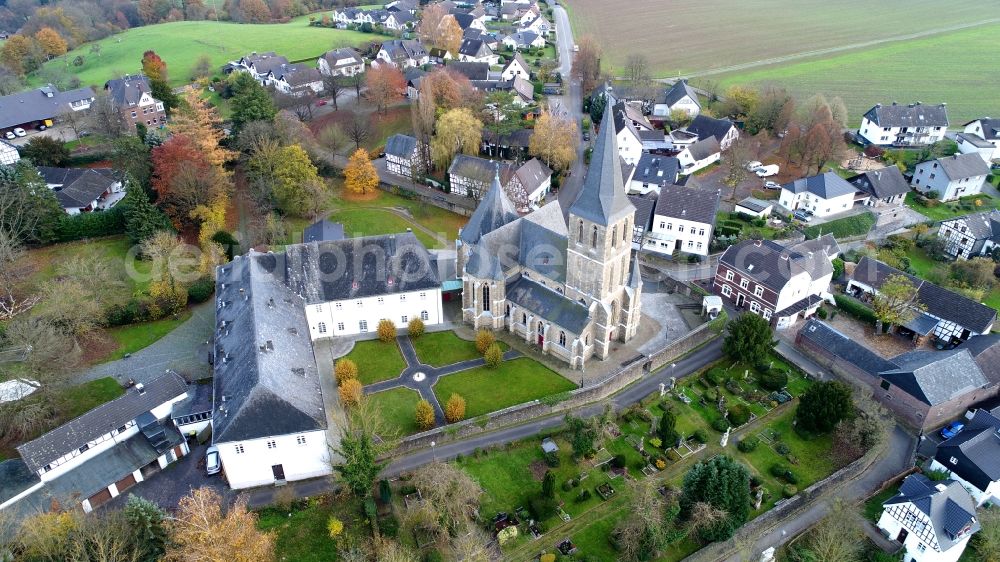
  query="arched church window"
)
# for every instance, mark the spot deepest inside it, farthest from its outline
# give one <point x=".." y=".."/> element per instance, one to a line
<point x="486" y="298"/>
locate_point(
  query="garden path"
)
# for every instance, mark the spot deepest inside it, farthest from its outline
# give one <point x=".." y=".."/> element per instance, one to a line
<point x="425" y="387"/>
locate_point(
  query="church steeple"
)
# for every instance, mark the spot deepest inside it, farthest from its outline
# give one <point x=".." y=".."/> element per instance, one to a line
<point x="494" y="211"/>
<point x="602" y="199"/>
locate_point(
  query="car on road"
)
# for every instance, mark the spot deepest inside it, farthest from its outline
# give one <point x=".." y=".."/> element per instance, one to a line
<point x="952" y="429"/>
<point x="213" y="465"/>
<point x="772" y="185"/>
<point x="752" y="165"/>
<point x="767" y="171"/>
<point x="20" y="132"/>
<point x="321" y="103"/>
<point x="586" y="136"/>
<point x="804" y="216"/>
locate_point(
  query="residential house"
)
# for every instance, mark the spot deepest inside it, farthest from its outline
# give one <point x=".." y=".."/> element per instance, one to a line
<point x="527" y="14"/>
<point x="679" y="139"/>
<point x="490" y="38"/>
<point x="652" y="171"/>
<point x="510" y="146"/>
<point x="410" y="6"/>
<point x="958" y="175"/>
<point x="474" y="71"/>
<point x="471" y="175"/>
<point x="400" y="21"/>
<point x="41" y="106"/>
<point x="468" y="21"/>
<point x="523" y="40"/>
<point x="680" y="96"/>
<point x="682" y="220"/>
<point x="402" y="156"/>
<point x="101" y="454"/>
<point x="654" y="141"/>
<point x="475" y="50"/>
<point x="414" y="77"/>
<point x="401" y="53"/>
<point x="626" y="135"/>
<point x="948" y="315"/>
<point x="524" y="92"/>
<point x="754" y="207"/>
<point x="904" y="125"/>
<point x="296" y="79"/>
<point x="824" y="194"/>
<point x="440" y="56"/>
<point x="532" y="182"/>
<point x="538" y="25"/>
<point x="933" y="520"/>
<point x="259" y="65"/>
<point x="82" y="190"/>
<point x="923" y="388"/>
<point x="645" y="205"/>
<point x="635" y="116"/>
<point x="972" y="235"/>
<point x="776" y="282"/>
<point x="133" y="97"/>
<point x="699" y="155"/>
<point x="723" y="130"/>
<point x="341" y="62"/>
<point x="972" y="457"/>
<point x="8" y="153"/>
<point x="516" y="66"/>
<point x="884" y="190"/>
<point x="979" y="134"/>
<point x="515" y="11"/>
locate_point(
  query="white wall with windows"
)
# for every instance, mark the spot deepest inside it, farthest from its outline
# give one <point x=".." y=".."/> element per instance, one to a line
<point x="358" y="316"/>
<point x="688" y="236"/>
<point x="261" y="462"/>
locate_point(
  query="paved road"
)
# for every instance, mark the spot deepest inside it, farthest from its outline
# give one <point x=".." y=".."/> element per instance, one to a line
<point x="570" y="102"/>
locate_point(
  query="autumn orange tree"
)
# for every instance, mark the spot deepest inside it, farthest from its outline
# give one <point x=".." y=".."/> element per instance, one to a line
<point x="153" y="66"/>
<point x="51" y="42"/>
<point x="450" y="35"/>
<point x="454" y="409"/>
<point x="345" y="369"/>
<point x="385" y="85"/>
<point x="360" y="174"/>
<point x="203" y="530"/>
<point x="184" y="179"/>
<point x="200" y="121"/>
<point x="386" y="330"/>
<point x="449" y="89"/>
<point x="17" y="54"/>
<point x="350" y="392"/>
<point x="555" y="140"/>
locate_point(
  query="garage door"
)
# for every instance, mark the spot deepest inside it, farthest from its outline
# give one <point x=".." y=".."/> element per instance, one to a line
<point x="125" y="483"/>
<point x="100" y="498"/>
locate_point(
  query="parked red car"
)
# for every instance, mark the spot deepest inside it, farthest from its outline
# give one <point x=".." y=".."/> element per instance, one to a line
<point x="321" y="102"/>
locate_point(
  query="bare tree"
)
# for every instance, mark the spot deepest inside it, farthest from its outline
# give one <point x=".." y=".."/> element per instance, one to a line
<point x="106" y="537"/>
<point x="736" y="160"/>
<point x="356" y="80"/>
<point x="12" y="272"/>
<point x="105" y="117"/>
<point x="358" y="129"/>
<point x="637" y="68"/>
<point x="587" y="63"/>
<point x="454" y="495"/>
<point x="334" y="87"/>
<point x="423" y="116"/>
<point x="838" y="537"/>
<point x="301" y="105"/>
<point x="75" y="120"/>
<point x="332" y="137"/>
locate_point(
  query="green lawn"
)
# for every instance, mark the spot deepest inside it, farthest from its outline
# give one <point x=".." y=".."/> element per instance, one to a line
<point x="438" y="220"/>
<point x="181" y="43"/>
<point x="134" y="337"/>
<point x="398" y="408"/>
<point x="438" y="349"/>
<point x="78" y="400"/>
<point x="302" y="536"/>
<point x="921" y="263"/>
<point x="944" y="211"/>
<point x="889" y="74"/>
<point x="377" y="361"/>
<point x="114" y="250"/>
<point x="854" y="225"/>
<point x="873" y="505"/>
<point x="514" y="382"/>
<point x="813" y="454"/>
<point x="369" y="222"/>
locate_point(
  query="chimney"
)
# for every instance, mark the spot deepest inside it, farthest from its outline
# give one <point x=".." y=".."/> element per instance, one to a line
<point x="140" y="389"/>
<point x="756" y="243"/>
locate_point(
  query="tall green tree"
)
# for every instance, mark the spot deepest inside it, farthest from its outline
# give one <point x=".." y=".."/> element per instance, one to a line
<point x="748" y="339"/>
<point x="148" y="525"/>
<point x="896" y="301"/>
<point x="46" y="151"/>
<point x="250" y="101"/>
<point x="364" y="439"/>
<point x="823" y="406"/>
<point x="549" y="484"/>
<point x="583" y="435"/>
<point x="723" y="484"/>
<point x="131" y="156"/>
<point x="142" y="218"/>
<point x="29" y="210"/>
<point x="667" y="429"/>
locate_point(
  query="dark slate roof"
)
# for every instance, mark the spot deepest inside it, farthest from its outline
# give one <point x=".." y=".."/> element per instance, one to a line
<point x="471" y="70"/>
<point x="756" y="205"/>
<point x="543" y="250"/>
<point x="771" y="264"/>
<point x="976" y="450"/>
<point x="948" y="505"/>
<point x="414" y="76"/>
<point x="464" y="20"/>
<point x="127" y="90"/>
<point x="602" y="198"/>
<point x="922" y="324"/>
<point x="826" y="185"/>
<point x="266" y="62"/>
<point x="323" y="230"/>
<point x="939" y="301"/>
<point x="825" y="244"/>
<point x="644" y="206"/>
<point x="266" y="381"/>
<point x="704" y="148"/>
<point x="481" y="169"/>
<point x="78" y="187"/>
<point x="400" y="145"/>
<point x="688" y="203"/>
<point x="935" y="377"/>
<point x="343" y="57"/>
<point x="520" y="138"/>
<point x="199" y="400"/>
<point x="15" y="477"/>
<point x="35" y="105"/>
<point x="102" y="419"/>
<point x="705" y="127"/>
<point x="912" y="115"/>
<point x="882" y="184"/>
<point x="298" y="74"/>
<point x="991" y="128"/>
<point x="961" y="166"/>
<point x="533" y="174"/>
<point x="985" y="349"/>
<point x="473" y="48"/>
<point x="656" y="169"/>
<point x="975" y="140"/>
<point x="844" y="347"/>
<point x="523" y="38"/>
<point x="550" y="305"/>
<point x="483" y="264"/>
<point x="494" y="211"/>
<point x="677" y="92"/>
<point x="519" y="60"/>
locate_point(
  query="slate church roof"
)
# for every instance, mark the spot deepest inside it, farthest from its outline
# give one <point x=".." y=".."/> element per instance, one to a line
<point x="602" y="198"/>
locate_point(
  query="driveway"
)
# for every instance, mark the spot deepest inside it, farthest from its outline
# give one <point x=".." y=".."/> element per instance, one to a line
<point x="184" y="350"/>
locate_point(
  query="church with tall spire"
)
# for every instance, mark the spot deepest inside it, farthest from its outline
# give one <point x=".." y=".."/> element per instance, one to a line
<point x="561" y="277"/>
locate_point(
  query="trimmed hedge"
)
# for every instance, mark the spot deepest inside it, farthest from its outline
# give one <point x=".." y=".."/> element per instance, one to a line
<point x="91" y="225"/>
<point x="855" y="308"/>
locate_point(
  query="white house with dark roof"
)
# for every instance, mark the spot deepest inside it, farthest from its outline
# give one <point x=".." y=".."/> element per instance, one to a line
<point x="776" y="282"/>
<point x="82" y="190"/>
<point x="680" y="96"/>
<point x="699" y="154"/>
<point x="476" y="50"/>
<point x="102" y="453"/>
<point x="653" y="171"/>
<point x="981" y="136"/>
<point x="514" y="67"/>
<point x="259" y="65"/>
<point x="341" y="62"/>
<point x="295" y="79"/>
<point x="644" y="205"/>
<point x="723" y="130"/>
<point x="885" y="188"/>
<point x="972" y="457"/>
<point x="950" y="315"/>
<point x="523" y="40"/>
<point x="533" y="179"/>
<point x="626" y="135"/>
<point x="971" y="235"/>
<point x="560" y="277"/>
<point x="951" y="177"/>
<point x="402" y="156"/>
<point x="755" y="207"/>
<point x="824" y="194"/>
<point x="538" y="25"/>
<point x="932" y="520"/>
<point x="401" y="53"/>
<point x="682" y="221"/>
<point x="915" y="124"/>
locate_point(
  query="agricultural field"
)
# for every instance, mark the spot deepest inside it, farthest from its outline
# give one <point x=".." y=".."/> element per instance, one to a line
<point x="181" y="43"/>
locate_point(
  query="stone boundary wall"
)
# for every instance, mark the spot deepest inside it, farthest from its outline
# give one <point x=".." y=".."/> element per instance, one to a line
<point x="600" y="390"/>
<point x="455" y="203"/>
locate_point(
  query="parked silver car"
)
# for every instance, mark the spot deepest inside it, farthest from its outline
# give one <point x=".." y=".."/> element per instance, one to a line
<point x="213" y="465"/>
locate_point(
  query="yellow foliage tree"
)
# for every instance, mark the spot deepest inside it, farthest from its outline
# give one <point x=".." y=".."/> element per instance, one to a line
<point x="361" y="176"/>
<point x="493" y="356"/>
<point x="415" y="329"/>
<point x="47" y="536"/>
<point x="202" y="530"/>
<point x="450" y="35"/>
<point x="166" y="297"/>
<point x="345" y="369"/>
<point x="425" y="415"/>
<point x="386" y="330"/>
<point x="454" y="409"/>
<point x="555" y="140"/>
<point x="350" y="392"/>
<point x="200" y="121"/>
<point x="458" y="131"/>
<point x="484" y="339"/>
<point x="51" y="42"/>
<point x="213" y="220"/>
